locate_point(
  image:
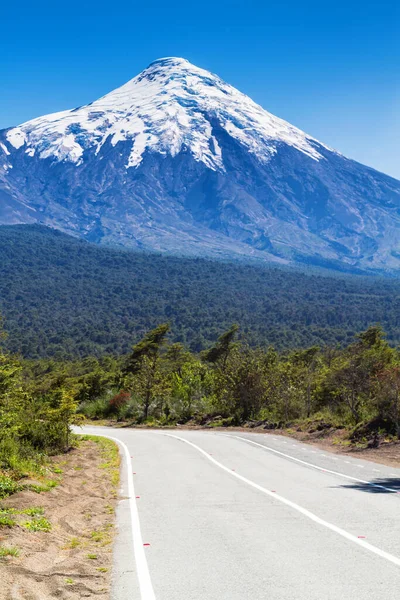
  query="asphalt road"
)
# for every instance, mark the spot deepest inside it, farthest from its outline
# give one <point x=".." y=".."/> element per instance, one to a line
<point x="230" y="516"/>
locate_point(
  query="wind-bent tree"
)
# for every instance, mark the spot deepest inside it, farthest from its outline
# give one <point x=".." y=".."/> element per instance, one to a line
<point x="143" y="364"/>
<point x="222" y="349"/>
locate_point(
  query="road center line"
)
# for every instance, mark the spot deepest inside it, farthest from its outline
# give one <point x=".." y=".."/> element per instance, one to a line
<point x="303" y="462"/>
<point x="142" y="569"/>
<point x="352" y="538"/>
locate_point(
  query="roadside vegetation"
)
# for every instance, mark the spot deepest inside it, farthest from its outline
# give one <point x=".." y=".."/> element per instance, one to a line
<point x="33" y="425"/>
<point x="159" y="383"/>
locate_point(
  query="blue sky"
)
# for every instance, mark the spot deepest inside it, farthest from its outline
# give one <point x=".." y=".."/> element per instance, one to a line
<point x="330" y="68"/>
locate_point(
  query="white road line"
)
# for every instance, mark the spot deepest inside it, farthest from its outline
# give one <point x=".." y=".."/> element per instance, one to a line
<point x="349" y="536"/>
<point x="142" y="568"/>
<point x="303" y="462"/>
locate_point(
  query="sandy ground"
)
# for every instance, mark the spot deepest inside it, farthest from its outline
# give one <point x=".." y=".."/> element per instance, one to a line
<point x="74" y="559"/>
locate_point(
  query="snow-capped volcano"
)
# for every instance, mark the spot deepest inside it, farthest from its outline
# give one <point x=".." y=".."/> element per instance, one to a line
<point x="170" y="106"/>
<point x="178" y="160"/>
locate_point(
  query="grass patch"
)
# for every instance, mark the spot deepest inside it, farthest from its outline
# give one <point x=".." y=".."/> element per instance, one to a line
<point x="9" y="511"/>
<point x="102" y="569"/>
<point x="110" y="455"/>
<point x="73" y="543"/>
<point x="35" y="511"/>
<point x="7" y="486"/>
<point x="69" y="581"/>
<point x="12" y="551"/>
<point x="91" y="556"/>
<point x="102" y="537"/>
<point x="42" y="487"/>
<point x="37" y="525"/>
<point x="6" y="521"/>
<point x="31" y="512"/>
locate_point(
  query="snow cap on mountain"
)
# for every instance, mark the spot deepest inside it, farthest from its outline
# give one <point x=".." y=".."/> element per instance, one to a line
<point x="170" y="106"/>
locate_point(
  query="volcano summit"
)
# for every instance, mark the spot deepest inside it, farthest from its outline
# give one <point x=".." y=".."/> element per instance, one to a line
<point x="177" y="160"/>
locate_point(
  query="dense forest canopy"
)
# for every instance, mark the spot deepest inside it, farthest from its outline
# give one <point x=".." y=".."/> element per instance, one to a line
<point x="64" y="298"/>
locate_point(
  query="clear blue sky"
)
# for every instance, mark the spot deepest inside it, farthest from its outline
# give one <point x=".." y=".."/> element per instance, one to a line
<point x="332" y="68"/>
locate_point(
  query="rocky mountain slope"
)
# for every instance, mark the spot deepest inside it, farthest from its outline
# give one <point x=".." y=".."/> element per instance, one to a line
<point x="177" y="160"/>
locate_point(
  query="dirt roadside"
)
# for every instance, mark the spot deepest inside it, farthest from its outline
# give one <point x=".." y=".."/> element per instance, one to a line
<point x="63" y="537"/>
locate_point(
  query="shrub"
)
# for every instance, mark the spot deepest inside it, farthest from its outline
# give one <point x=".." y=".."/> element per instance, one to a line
<point x="6" y="521"/>
<point x="41" y="524"/>
<point x="7" y="486"/>
<point x="118" y="401"/>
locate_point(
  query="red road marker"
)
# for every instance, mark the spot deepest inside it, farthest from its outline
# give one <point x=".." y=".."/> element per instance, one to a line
<point x="134" y="473"/>
<point x="273" y="491"/>
<point x="362" y="537"/>
<point x="146" y="544"/>
<point x="137" y="496"/>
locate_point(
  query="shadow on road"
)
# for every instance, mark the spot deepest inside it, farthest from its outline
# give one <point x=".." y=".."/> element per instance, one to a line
<point x="386" y="485"/>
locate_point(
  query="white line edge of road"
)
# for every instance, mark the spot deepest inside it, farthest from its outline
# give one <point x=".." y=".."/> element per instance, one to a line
<point x="304" y="462"/>
<point x="349" y="536"/>
<point x="142" y="568"/>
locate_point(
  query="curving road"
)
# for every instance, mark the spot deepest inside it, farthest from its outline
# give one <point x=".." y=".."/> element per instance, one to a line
<point x="233" y="516"/>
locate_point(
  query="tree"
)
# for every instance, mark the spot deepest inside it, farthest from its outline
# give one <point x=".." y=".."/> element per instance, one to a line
<point x="176" y="357"/>
<point x="245" y="382"/>
<point x="307" y="361"/>
<point x="143" y="365"/>
<point x="66" y="415"/>
<point x="12" y="401"/>
<point x="221" y="351"/>
<point x="149" y="347"/>
<point x="188" y="388"/>
<point x="387" y="389"/>
<point x="353" y="371"/>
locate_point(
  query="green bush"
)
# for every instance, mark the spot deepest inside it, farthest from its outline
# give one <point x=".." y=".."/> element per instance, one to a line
<point x="7" y="486"/>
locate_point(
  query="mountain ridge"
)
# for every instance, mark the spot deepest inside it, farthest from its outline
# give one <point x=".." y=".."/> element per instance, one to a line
<point x="176" y="160"/>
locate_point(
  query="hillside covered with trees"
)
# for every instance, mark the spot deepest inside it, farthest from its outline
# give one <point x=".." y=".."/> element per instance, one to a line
<point x="64" y="298"/>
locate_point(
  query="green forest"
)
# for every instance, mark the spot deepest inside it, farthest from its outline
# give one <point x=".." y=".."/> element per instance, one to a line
<point x="95" y="333"/>
<point x="66" y="299"/>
